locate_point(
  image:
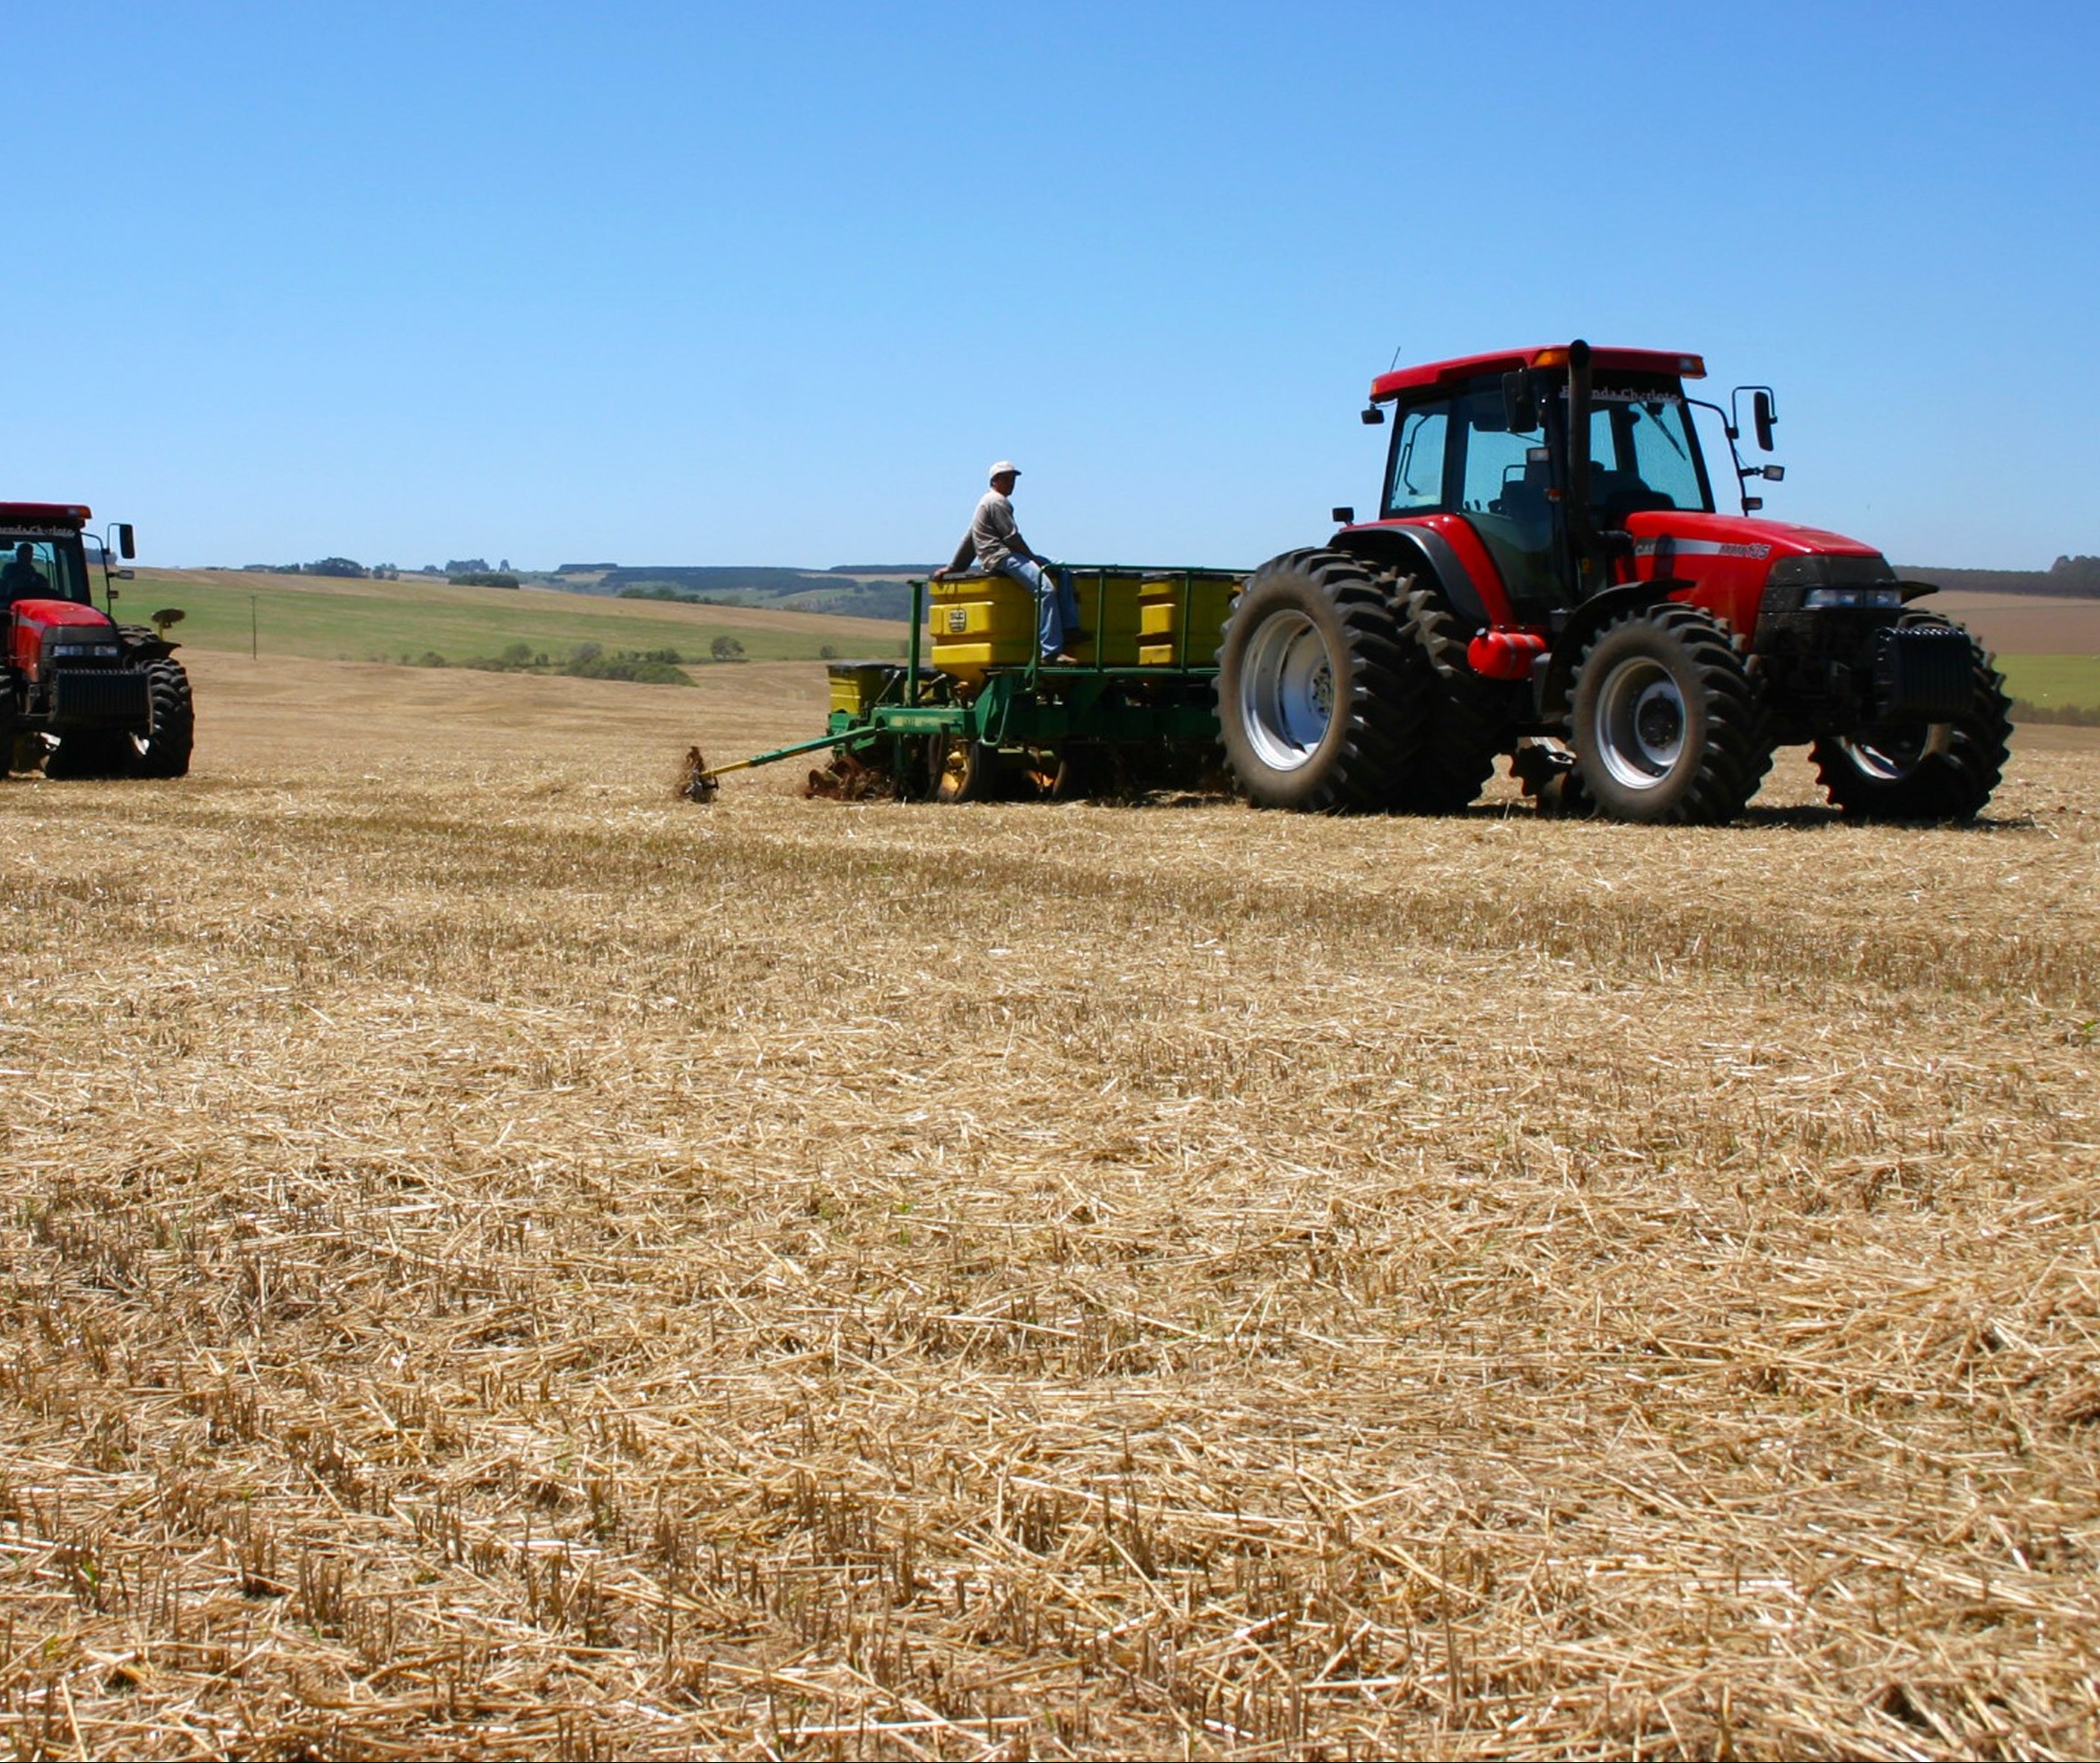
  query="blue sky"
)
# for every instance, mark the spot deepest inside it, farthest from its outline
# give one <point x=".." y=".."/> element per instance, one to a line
<point x="701" y="283"/>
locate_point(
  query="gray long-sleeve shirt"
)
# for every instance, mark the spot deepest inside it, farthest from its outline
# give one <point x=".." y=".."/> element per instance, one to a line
<point x="993" y="537"/>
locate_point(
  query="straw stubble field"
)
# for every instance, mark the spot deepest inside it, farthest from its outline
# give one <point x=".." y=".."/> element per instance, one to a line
<point x="500" y="1262"/>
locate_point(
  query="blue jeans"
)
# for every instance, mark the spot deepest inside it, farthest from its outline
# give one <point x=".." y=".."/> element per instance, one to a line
<point x="1056" y="600"/>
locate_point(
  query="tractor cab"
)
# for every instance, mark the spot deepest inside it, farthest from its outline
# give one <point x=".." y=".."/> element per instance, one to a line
<point x="1484" y="444"/>
<point x="42" y="558"/>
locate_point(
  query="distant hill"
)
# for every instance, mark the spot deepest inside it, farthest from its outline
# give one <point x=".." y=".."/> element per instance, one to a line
<point x="840" y="591"/>
<point x="880" y="590"/>
<point x="2069" y="578"/>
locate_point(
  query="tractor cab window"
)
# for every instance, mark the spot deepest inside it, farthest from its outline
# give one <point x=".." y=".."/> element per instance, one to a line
<point x="1421" y="440"/>
<point x="41" y="569"/>
<point x="1503" y="490"/>
<point x="1642" y="454"/>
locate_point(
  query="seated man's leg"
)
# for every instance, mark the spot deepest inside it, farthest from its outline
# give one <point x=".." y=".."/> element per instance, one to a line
<point x="1068" y="604"/>
<point x="1049" y="618"/>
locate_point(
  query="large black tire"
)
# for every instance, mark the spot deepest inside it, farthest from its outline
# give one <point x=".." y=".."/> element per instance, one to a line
<point x="1924" y="771"/>
<point x="163" y="750"/>
<point x="1668" y="725"/>
<point x="1322" y="704"/>
<point x="1467" y="727"/>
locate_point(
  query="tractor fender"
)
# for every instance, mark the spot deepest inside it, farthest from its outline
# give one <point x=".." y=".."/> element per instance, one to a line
<point x="142" y="644"/>
<point x="1417" y="550"/>
<point x="1554" y="671"/>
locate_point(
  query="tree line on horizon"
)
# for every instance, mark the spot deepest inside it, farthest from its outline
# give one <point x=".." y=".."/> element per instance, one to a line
<point x="840" y="591"/>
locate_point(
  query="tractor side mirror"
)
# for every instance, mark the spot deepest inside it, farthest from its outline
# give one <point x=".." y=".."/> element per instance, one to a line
<point x="1519" y="401"/>
<point x="126" y="545"/>
<point x="1373" y="416"/>
<point x="1343" y="517"/>
<point x="1762" y="417"/>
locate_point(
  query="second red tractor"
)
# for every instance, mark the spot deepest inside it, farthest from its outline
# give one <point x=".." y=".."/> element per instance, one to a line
<point x="1548" y="576"/>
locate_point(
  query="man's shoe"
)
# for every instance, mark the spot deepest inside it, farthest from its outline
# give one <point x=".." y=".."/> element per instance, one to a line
<point x="1064" y="657"/>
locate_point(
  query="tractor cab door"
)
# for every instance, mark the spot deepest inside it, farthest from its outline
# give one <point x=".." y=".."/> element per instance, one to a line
<point x="1454" y="453"/>
<point x="1503" y="486"/>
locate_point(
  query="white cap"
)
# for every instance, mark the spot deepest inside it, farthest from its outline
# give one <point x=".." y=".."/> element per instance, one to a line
<point x="1002" y="468"/>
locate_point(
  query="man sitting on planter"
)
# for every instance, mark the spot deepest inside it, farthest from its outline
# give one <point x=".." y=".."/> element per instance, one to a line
<point x="994" y="545"/>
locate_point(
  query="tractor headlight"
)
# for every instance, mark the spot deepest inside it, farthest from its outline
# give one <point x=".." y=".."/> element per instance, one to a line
<point x="1887" y="594"/>
<point x="65" y="651"/>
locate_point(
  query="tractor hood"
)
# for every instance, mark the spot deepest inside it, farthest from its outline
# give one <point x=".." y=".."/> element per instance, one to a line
<point x="1690" y="534"/>
<point x="1732" y="561"/>
<point x="34" y="620"/>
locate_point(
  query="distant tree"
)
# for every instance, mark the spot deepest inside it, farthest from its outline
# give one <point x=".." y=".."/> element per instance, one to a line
<point x="505" y="565"/>
<point x="726" y="648"/>
<point x="341" y="567"/>
<point x="166" y="616"/>
<point x="484" y="579"/>
<point x="468" y="566"/>
<point x="827" y="654"/>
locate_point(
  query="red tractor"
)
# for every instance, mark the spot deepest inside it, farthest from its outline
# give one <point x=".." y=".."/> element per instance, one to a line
<point x="86" y="695"/>
<point x="1548" y="577"/>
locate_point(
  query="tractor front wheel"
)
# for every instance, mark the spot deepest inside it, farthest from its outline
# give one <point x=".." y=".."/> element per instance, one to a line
<point x="1667" y="724"/>
<point x="1924" y="771"/>
<point x="1322" y="704"/>
<point x="163" y="750"/>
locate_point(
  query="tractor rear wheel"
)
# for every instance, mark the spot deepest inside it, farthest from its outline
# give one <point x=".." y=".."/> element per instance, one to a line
<point x="1322" y="704"/>
<point x="1924" y="771"/>
<point x="1465" y="731"/>
<point x="163" y="750"/>
<point x="1668" y="727"/>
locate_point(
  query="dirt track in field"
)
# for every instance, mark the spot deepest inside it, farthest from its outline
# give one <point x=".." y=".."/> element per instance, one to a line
<point x="501" y="1261"/>
<point x="2025" y="623"/>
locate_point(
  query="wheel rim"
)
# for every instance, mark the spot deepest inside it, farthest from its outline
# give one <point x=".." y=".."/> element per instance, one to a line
<point x="1889" y="755"/>
<point x="956" y="780"/>
<point x="1286" y="691"/>
<point x="1640" y="723"/>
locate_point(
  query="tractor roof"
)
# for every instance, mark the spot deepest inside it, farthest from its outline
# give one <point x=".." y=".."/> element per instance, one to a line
<point x="1601" y="360"/>
<point x="45" y="514"/>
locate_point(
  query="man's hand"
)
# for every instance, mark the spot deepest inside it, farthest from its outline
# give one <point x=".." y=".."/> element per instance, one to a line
<point x="940" y="574"/>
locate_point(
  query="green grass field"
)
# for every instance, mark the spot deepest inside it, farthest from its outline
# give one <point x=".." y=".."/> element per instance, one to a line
<point x="326" y="620"/>
<point x="2053" y="682"/>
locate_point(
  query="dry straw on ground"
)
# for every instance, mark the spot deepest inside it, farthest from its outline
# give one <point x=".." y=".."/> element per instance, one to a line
<point x="501" y="1263"/>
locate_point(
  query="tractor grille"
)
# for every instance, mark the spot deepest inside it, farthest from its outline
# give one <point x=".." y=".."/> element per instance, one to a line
<point x="85" y="696"/>
<point x="1924" y="670"/>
